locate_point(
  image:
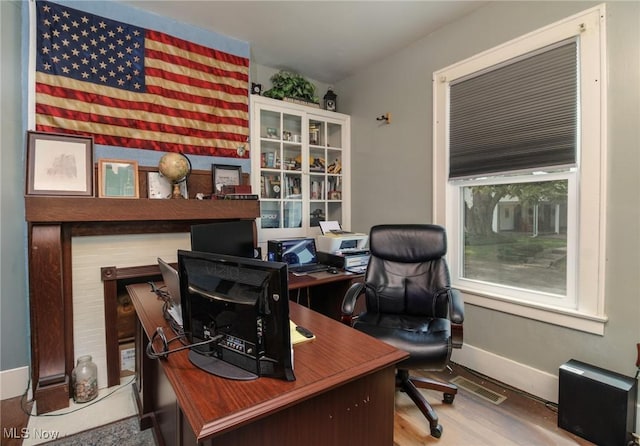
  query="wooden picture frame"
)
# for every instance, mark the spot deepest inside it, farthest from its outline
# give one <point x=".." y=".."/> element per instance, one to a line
<point x="118" y="178"/>
<point x="59" y="164"/>
<point x="225" y="175"/>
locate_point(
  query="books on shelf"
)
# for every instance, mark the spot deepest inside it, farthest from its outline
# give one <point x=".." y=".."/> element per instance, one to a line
<point x="317" y="190"/>
<point x="301" y="102"/>
<point x="241" y="197"/>
<point x="270" y="186"/>
<point x="269" y="160"/>
<point x="293" y="186"/>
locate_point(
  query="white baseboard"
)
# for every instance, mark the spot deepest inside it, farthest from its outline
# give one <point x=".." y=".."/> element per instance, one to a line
<point x="14" y="382"/>
<point x="536" y="382"/>
<point x="521" y="376"/>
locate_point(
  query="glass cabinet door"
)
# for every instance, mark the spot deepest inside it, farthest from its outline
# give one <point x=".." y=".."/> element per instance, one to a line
<point x="325" y="171"/>
<point x="281" y="181"/>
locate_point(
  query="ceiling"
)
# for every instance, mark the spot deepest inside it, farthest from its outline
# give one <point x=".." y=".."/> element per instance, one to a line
<point x="323" y="40"/>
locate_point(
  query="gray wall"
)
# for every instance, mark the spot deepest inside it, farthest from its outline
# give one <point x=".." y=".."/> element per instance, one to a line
<point x="14" y="334"/>
<point x="391" y="170"/>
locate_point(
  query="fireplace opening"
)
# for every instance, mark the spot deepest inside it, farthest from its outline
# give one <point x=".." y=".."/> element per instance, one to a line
<point x="120" y="316"/>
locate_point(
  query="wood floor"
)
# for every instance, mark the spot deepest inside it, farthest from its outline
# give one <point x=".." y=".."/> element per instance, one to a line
<point x="469" y="421"/>
<point x="12" y="420"/>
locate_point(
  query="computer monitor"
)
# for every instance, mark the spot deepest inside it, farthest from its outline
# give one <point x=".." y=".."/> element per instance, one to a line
<point x="234" y="238"/>
<point x="293" y="251"/>
<point x="241" y="303"/>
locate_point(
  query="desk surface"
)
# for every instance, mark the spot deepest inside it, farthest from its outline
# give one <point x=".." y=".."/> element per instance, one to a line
<point x="214" y="405"/>
<point x="319" y="278"/>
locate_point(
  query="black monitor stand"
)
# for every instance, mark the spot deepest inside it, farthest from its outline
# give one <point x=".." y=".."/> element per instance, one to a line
<point x="220" y="368"/>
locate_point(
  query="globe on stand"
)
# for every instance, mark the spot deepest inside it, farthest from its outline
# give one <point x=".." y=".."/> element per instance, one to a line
<point x="176" y="168"/>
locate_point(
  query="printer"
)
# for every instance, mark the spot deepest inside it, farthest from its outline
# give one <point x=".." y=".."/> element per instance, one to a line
<point x="342" y="242"/>
<point x="343" y="249"/>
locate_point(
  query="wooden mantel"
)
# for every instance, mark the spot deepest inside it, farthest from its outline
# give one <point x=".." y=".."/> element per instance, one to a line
<point x="89" y="209"/>
<point x="52" y="221"/>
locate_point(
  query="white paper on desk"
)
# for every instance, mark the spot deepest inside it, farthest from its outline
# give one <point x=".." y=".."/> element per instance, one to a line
<point x="296" y="337"/>
<point x="328" y="226"/>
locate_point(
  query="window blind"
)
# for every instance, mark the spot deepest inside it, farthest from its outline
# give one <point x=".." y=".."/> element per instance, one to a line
<point x="520" y="115"/>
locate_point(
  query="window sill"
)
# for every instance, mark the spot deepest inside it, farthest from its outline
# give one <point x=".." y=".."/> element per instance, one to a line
<point x="576" y="320"/>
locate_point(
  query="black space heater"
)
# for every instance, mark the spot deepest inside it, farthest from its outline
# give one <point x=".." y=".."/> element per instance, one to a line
<point x="596" y="404"/>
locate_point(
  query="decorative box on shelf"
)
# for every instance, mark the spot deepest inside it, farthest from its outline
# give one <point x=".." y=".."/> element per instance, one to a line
<point x="236" y="192"/>
<point x="127" y="359"/>
<point x="301" y="102"/>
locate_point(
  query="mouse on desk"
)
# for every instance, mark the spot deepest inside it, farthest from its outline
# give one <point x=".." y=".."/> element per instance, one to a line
<point x="332" y="270"/>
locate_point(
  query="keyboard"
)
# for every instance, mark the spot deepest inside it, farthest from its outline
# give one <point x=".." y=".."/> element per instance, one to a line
<point x="357" y="269"/>
<point x="308" y="268"/>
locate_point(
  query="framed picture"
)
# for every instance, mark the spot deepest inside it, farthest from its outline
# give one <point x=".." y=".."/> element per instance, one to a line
<point x="160" y="187"/>
<point x="117" y="178"/>
<point x="226" y="175"/>
<point x="59" y="164"/>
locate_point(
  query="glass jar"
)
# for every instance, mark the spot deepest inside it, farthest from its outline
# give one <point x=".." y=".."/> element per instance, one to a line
<point x="84" y="380"/>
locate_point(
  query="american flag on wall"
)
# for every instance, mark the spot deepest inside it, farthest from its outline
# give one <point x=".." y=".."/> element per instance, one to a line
<point x="133" y="87"/>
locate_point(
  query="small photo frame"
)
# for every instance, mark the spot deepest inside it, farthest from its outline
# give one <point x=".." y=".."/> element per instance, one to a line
<point x="225" y="175"/>
<point x="160" y="187"/>
<point x="59" y="164"/>
<point x="117" y="178"/>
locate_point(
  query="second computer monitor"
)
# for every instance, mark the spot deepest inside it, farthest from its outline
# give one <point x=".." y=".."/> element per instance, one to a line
<point x="233" y="238"/>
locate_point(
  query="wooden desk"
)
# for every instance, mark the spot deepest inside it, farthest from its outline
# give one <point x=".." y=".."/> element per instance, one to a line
<point x="322" y="291"/>
<point x="343" y="393"/>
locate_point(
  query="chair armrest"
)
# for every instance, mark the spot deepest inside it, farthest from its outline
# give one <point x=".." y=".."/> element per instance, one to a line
<point x="456" y="315"/>
<point x="456" y="306"/>
<point x="349" y="301"/>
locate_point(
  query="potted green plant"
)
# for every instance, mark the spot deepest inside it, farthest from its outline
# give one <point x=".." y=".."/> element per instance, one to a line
<point x="291" y="85"/>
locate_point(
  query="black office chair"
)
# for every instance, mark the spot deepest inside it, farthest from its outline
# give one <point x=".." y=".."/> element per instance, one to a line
<point x="410" y="305"/>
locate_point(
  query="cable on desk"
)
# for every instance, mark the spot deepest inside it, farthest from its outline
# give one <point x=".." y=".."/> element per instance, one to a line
<point x="152" y="354"/>
<point x="164" y="296"/>
<point x="167" y="303"/>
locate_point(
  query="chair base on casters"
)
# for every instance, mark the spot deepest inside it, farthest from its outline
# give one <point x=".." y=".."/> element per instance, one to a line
<point x="410" y="385"/>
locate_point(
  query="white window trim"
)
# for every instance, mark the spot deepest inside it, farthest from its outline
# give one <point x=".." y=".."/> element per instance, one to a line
<point x="589" y="314"/>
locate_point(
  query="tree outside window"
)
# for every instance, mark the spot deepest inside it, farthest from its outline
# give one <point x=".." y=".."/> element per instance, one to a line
<point x="516" y="235"/>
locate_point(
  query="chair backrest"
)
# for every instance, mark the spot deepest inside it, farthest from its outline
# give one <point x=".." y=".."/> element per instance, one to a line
<point x="407" y="273"/>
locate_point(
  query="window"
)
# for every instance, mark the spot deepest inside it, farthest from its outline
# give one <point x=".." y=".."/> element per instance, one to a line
<point x="519" y="153"/>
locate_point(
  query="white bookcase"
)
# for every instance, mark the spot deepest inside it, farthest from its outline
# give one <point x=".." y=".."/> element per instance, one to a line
<point x="300" y="167"/>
